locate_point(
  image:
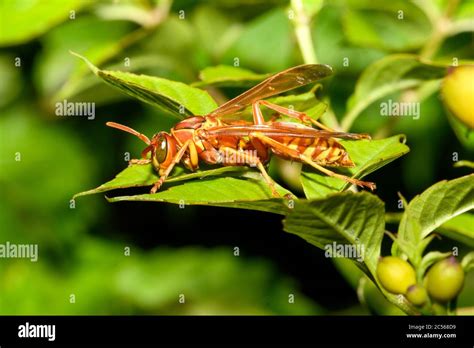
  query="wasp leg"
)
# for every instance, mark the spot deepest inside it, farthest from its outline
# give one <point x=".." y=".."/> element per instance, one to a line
<point x="257" y="113"/>
<point x="250" y="160"/>
<point x="328" y="172"/>
<point x="139" y="161"/>
<point x="176" y="160"/>
<point x="305" y="159"/>
<point x="301" y="116"/>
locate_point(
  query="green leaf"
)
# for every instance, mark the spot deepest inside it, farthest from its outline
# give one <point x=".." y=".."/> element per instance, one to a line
<point x="245" y="192"/>
<point x="386" y="76"/>
<point x="265" y="44"/>
<point x="228" y="76"/>
<point x="459" y="228"/>
<point x="213" y="40"/>
<point x="368" y="155"/>
<point x="174" y="97"/>
<point x="464" y="163"/>
<point x="241" y="187"/>
<point x="82" y="86"/>
<point x="334" y="49"/>
<point x="55" y="70"/>
<point x="464" y="134"/>
<point x="23" y="20"/>
<point x="397" y="25"/>
<point x="145" y="175"/>
<point x="467" y="262"/>
<point x="347" y="218"/>
<point x="344" y="218"/>
<point x="434" y="207"/>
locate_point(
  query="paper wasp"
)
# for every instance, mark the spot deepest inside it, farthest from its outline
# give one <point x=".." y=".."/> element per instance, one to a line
<point x="215" y="140"/>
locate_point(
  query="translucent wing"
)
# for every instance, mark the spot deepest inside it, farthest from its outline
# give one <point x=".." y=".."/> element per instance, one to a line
<point x="280" y="129"/>
<point x="281" y="82"/>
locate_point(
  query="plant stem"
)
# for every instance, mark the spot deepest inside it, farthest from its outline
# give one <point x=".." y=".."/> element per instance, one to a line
<point x="441" y="27"/>
<point x="404" y="305"/>
<point x="435" y="41"/>
<point x="392" y="218"/>
<point x="303" y="32"/>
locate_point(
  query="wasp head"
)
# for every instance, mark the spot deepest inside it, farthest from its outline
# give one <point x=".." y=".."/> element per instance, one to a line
<point x="162" y="146"/>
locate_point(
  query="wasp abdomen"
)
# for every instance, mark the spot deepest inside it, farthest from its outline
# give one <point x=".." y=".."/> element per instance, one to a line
<point x="328" y="152"/>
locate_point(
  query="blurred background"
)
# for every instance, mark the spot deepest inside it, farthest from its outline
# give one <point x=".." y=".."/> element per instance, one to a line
<point x="139" y="258"/>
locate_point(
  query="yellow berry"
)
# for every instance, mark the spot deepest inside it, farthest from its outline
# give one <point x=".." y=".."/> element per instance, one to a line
<point x="417" y="295"/>
<point x="458" y="93"/>
<point x="395" y="274"/>
<point x="445" y="279"/>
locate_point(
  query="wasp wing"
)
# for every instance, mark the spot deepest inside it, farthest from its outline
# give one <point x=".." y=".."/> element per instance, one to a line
<point x="280" y="129"/>
<point x="281" y="82"/>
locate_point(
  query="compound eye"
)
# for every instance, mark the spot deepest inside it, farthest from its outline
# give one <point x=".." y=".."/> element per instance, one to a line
<point x="161" y="149"/>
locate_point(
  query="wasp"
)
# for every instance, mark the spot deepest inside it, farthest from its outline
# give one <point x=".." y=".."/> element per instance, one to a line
<point x="217" y="139"/>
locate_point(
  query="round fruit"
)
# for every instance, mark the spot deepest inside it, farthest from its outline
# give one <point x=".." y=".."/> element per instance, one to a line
<point x="458" y="93"/>
<point x="445" y="279"/>
<point x="439" y="309"/>
<point x="395" y="274"/>
<point x="417" y="295"/>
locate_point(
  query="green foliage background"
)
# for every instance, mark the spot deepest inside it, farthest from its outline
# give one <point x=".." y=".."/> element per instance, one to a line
<point x="80" y="253"/>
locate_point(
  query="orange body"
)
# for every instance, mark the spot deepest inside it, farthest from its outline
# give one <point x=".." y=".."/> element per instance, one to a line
<point x="325" y="151"/>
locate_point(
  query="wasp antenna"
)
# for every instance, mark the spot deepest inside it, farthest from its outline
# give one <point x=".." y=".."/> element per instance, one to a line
<point x="143" y="137"/>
